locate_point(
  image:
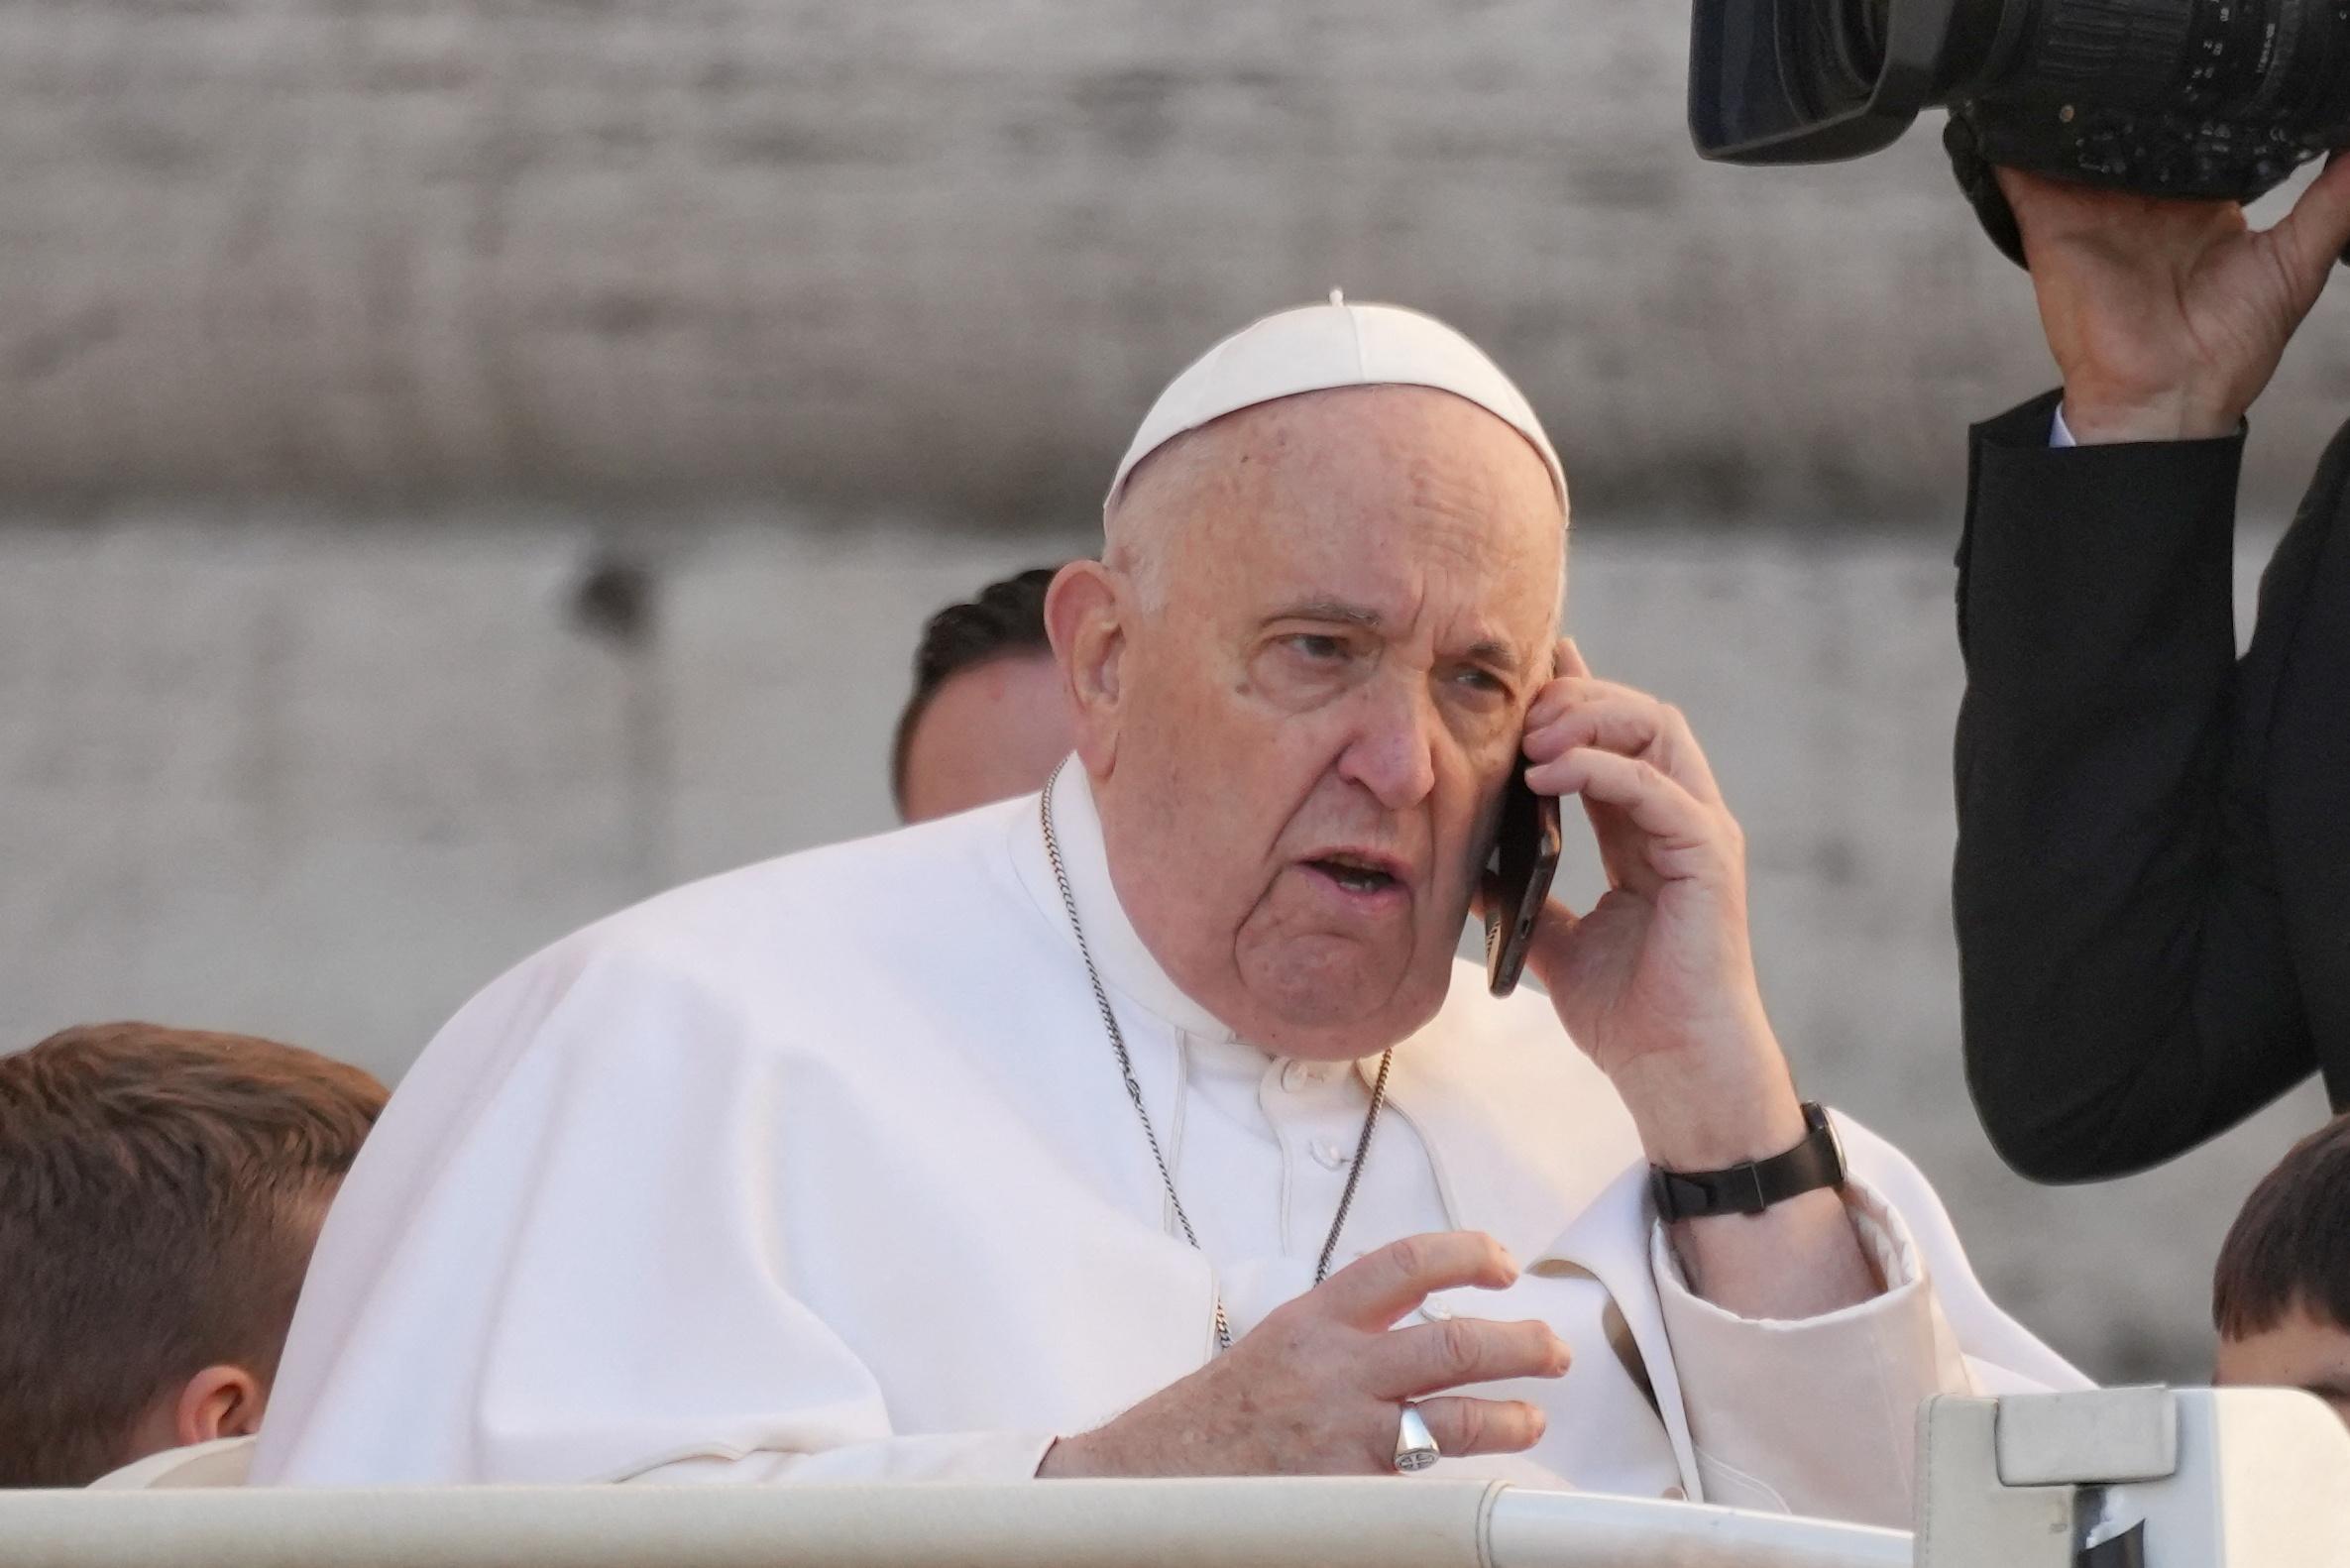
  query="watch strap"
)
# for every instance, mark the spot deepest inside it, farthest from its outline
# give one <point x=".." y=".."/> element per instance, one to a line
<point x="1750" y="1189"/>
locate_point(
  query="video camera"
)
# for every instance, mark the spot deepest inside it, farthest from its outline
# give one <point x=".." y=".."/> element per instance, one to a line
<point x="2209" y="99"/>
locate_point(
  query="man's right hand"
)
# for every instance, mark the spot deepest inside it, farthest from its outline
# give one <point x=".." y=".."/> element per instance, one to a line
<point x="1318" y="1387"/>
<point x="2169" y="318"/>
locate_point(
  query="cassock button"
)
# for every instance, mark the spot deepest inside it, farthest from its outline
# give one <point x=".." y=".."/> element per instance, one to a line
<point x="1298" y="1077"/>
<point x="1332" y="1155"/>
<point x="1435" y="1310"/>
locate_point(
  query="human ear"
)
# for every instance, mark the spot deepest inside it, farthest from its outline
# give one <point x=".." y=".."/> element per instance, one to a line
<point x="221" y="1400"/>
<point x="1084" y="615"/>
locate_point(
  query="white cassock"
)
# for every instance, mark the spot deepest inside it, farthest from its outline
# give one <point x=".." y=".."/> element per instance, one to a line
<point x="823" y="1169"/>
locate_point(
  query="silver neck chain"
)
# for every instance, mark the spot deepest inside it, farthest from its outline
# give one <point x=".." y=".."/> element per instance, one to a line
<point x="1134" y="1088"/>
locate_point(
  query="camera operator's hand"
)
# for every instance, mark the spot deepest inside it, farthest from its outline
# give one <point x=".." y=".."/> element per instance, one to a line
<point x="1319" y="1387"/>
<point x="2169" y="318"/>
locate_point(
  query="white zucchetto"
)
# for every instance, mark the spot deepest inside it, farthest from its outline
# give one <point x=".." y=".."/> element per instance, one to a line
<point x="1318" y="348"/>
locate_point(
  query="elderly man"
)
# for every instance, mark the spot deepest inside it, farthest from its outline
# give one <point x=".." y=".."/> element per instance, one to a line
<point x="1146" y="1127"/>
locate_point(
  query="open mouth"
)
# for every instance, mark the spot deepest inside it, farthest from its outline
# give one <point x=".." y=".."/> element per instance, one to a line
<point x="1355" y="873"/>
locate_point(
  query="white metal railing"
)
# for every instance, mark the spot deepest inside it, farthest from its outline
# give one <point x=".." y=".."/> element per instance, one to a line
<point x="2238" y="1478"/>
<point x="1348" y="1523"/>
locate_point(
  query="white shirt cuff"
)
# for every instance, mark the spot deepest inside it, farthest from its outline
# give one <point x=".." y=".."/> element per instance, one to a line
<point x="2059" y="434"/>
<point x="1817" y="1415"/>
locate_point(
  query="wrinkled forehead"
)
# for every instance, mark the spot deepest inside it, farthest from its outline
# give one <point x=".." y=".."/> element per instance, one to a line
<point x="1401" y="497"/>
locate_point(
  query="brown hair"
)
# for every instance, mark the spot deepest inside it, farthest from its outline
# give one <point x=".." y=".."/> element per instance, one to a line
<point x="2291" y="1246"/>
<point x="161" y="1191"/>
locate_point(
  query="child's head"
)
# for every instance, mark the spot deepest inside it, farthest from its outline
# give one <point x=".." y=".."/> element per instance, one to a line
<point x="161" y="1191"/>
<point x="2281" y="1300"/>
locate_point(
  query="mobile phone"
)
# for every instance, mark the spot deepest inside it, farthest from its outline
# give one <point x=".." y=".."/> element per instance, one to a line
<point x="1526" y="859"/>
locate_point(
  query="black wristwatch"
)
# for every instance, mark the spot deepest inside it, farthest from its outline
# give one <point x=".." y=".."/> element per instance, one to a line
<point x="1750" y="1189"/>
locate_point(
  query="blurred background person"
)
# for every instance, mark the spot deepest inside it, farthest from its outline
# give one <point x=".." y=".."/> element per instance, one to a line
<point x="2280" y="1297"/>
<point x="989" y="715"/>
<point x="161" y="1191"/>
<point x="2153" y="872"/>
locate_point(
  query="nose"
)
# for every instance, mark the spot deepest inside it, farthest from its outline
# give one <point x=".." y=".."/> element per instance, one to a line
<point x="1392" y="753"/>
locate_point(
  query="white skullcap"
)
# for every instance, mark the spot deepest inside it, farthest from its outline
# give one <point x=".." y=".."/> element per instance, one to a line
<point x="1318" y="348"/>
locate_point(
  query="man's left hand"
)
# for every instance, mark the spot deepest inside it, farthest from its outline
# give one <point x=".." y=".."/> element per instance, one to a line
<point x="1657" y="981"/>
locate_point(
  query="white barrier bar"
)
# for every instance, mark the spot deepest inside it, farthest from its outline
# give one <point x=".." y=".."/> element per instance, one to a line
<point x="1574" y="1529"/>
<point x="1348" y="1523"/>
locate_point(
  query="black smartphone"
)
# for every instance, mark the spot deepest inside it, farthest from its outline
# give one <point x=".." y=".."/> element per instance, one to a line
<point x="1526" y="859"/>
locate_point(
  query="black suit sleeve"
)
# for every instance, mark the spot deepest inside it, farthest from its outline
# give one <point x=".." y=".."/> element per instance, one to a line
<point x="2126" y="977"/>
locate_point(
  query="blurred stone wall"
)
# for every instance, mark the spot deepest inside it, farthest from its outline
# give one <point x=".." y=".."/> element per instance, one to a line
<point x="941" y="251"/>
<point x="324" y="783"/>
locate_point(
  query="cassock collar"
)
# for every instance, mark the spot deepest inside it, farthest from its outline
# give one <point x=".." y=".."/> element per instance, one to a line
<point x="1126" y="964"/>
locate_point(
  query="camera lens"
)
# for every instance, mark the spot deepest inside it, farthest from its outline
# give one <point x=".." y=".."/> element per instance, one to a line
<point x="1833" y="52"/>
<point x="2139" y="51"/>
<point x="2207" y="99"/>
<point x="2214" y="100"/>
<point x="2253" y="62"/>
<point x="2311" y="79"/>
<point x="1860" y="37"/>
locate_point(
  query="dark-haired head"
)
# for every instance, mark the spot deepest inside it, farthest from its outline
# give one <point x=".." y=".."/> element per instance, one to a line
<point x="987" y="718"/>
<point x="2281" y="1297"/>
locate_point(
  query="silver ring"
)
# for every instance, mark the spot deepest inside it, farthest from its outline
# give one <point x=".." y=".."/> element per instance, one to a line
<point x="1415" y="1449"/>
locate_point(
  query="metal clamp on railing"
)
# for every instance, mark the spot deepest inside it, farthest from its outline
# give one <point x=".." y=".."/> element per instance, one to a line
<point x="2134" y="1478"/>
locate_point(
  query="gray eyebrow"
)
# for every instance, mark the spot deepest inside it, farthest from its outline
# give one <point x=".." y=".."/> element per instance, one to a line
<point x="1329" y="610"/>
<point x="1489" y="652"/>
